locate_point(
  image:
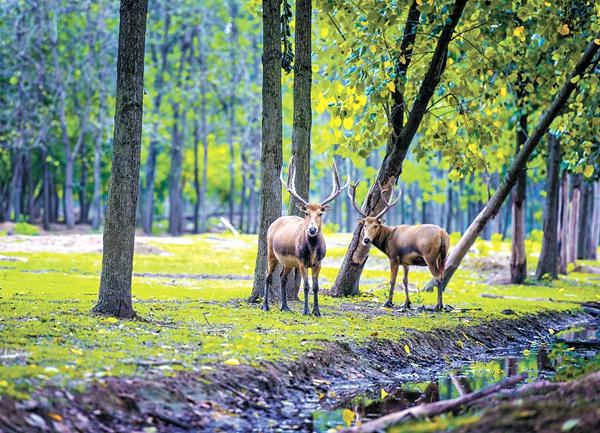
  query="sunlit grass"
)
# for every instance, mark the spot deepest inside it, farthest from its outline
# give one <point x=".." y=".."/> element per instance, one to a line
<point x="49" y="336"/>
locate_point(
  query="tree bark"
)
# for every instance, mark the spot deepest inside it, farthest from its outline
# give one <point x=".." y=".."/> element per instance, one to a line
<point x="232" y="102"/>
<point x="595" y="235"/>
<point x="585" y="220"/>
<point x="401" y="135"/>
<point x="518" y="257"/>
<point x="520" y="161"/>
<point x="572" y="231"/>
<point x="563" y="224"/>
<point x="114" y="297"/>
<point x="548" y="262"/>
<point x="271" y="157"/>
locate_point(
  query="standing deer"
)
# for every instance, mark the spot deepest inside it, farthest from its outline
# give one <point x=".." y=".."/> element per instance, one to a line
<point x="298" y="243"/>
<point x="418" y="245"/>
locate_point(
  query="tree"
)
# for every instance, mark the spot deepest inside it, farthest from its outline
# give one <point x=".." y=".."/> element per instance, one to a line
<point x="548" y="262"/>
<point x="401" y="134"/>
<point x="520" y="161"/>
<point x="271" y="157"/>
<point x="114" y="298"/>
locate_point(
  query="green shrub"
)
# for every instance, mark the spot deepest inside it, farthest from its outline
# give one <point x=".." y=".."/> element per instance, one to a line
<point x="24" y="228"/>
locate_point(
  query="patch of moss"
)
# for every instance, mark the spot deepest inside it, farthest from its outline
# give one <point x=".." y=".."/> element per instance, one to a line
<point x="49" y="336"/>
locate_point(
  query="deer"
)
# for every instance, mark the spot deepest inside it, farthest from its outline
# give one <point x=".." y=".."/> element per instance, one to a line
<point x="298" y="243"/>
<point x="406" y="245"/>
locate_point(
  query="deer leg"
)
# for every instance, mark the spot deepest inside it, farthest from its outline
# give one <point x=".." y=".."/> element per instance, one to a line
<point x="440" y="286"/>
<point x="304" y="273"/>
<point x="284" y="279"/>
<point x="394" y="273"/>
<point x="407" y="302"/>
<point x="315" y="277"/>
<point x="268" y="280"/>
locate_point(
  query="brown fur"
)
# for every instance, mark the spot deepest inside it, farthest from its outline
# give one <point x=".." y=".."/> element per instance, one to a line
<point x="289" y="243"/>
<point x="410" y="245"/>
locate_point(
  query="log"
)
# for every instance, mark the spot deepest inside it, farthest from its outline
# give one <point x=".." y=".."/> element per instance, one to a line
<point x="432" y="409"/>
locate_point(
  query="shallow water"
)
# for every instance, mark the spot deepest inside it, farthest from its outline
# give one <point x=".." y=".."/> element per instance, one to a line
<point x="542" y="361"/>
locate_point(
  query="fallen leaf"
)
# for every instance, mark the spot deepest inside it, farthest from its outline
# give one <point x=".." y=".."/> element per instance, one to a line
<point x="384" y="394"/>
<point x="232" y="361"/>
<point x="564" y="30"/>
<point x="407" y="349"/>
<point x="348" y="416"/>
<point x="569" y="424"/>
<point x="55" y="416"/>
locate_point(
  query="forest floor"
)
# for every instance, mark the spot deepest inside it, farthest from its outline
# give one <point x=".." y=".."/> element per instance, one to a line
<point x="203" y="359"/>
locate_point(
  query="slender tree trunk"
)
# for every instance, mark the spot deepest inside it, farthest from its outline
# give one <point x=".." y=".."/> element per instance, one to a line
<point x="175" y="199"/>
<point x="46" y="188"/>
<point x="548" y="262"/>
<point x="564" y="224"/>
<point x="460" y="250"/>
<point x="401" y="134"/>
<point x="518" y="258"/>
<point x="83" y="203"/>
<point x="270" y="188"/>
<point x="585" y="221"/>
<point x="233" y="8"/>
<point x="114" y="297"/>
<point x="97" y="198"/>
<point x="595" y="236"/>
<point x="572" y="236"/>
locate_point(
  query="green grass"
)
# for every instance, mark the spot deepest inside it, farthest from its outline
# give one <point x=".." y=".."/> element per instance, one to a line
<point x="49" y="336"/>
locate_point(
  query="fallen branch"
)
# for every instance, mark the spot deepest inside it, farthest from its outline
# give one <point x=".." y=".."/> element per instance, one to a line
<point x="521" y="298"/>
<point x="432" y="409"/>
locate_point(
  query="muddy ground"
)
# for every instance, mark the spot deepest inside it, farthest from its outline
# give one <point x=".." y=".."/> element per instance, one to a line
<point x="270" y="396"/>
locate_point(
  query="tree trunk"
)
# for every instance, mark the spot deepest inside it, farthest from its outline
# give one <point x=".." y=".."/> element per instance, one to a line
<point x="563" y="224"/>
<point x="148" y="208"/>
<point x="585" y="221"/>
<point x="548" y="262"/>
<point x="45" y="187"/>
<point x="232" y="102"/>
<point x="595" y="236"/>
<point x="518" y="257"/>
<point x="83" y="203"/>
<point x="114" y="297"/>
<point x="572" y="233"/>
<point x="519" y="163"/>
<point x="401" y="135"/>
<point x="270" y="188"/>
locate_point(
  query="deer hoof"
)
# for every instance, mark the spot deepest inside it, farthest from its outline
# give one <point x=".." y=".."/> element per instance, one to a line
<point x="388" y="304"/>
<point x="316" y="312"/>
<point x="407" y="305"/>
<point x="306" y="312"/>
<point x="286" y="308"/>
<point x="439" y="307"/>
<point x="265" y="307"/>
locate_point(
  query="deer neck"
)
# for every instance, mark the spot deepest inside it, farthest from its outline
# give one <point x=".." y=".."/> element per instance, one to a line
<point x="382" y="238"/>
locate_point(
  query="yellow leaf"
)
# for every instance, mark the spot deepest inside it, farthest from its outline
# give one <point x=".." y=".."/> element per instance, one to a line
<point x="383" y="394"/>
<point x="348" y="416"/>
<point x="588" y="171"/>
<point x="551" y="331"/>
<point x="519" y="32"/>
<point x="575" y="79"/>
<point x="3" y="384"/>
<point x="76" y="351"/>
<point x="529" y="87"/>
<point x="527" y="352"/>
<point x="419" y="2"/>
<point x="597" y="41"/>
<point x="337" y="122"/>
<point x="407" y="349"/>
<point x="55" y="416"/>
<point x="564" y="30"/>
<point x="348" y="123"/>
<point x="232" y="361"/>
<point x="391" y="86"/>
<point x="314" y="68"/>
<point x="460" y="344"/>
<point x="324" y="32"/>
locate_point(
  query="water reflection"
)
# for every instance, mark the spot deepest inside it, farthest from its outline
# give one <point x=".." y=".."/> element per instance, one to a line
<point x="535" y="361"/>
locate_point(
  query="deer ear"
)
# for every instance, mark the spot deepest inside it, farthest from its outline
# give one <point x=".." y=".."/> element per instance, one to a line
<point x="381" y="220"/>
<point x="325" y="208"/>
<point x="301" y="207"/>
<point x="360" y="220"/>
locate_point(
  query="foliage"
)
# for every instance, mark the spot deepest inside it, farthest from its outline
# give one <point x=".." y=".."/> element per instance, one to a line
<point x="24" y="228"/>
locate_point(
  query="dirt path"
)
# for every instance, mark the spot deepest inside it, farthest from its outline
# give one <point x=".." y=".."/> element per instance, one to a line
<point x="271" y="396"/>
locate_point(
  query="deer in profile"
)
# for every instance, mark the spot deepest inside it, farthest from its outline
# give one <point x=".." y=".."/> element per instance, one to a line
<point x="406" y="245"/>
<point x="298" y="243"/>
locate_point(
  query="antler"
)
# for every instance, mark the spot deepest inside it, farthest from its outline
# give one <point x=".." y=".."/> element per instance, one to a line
<point x="352" y="195"/>
<point x="388" y="203"/>
<point x="291" y="176"/>
<point x="337" y="189"/>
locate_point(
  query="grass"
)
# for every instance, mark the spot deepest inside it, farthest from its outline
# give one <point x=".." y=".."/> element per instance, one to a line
<point x="49" y="336"/>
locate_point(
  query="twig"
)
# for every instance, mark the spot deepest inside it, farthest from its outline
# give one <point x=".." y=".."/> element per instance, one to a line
<point x="431" y="409"/>
<point x="206" y="319"/>
<point x="150" y="363"/>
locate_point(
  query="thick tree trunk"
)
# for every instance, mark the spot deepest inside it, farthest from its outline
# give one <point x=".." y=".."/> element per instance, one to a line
<point x="519" y="163"/>
<point x="518" y="257"/>
<point x="401" y="135"/>
<point x="114" y="298"/>
<point x="270" y="188"/>
<point x="548" y="262"/>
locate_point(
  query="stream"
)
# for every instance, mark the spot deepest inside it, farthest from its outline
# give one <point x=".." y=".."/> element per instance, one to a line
<point x="567" y="351"/>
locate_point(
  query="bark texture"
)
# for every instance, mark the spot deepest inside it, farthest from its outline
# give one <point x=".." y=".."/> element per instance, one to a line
<point x="518" y="257"/>
<point x="401" y="134"/>
<point x="548" y="262"/>
<point x="114" y="298"/>
<point x="494" y="204"/>
<point x="271" y="157"/>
